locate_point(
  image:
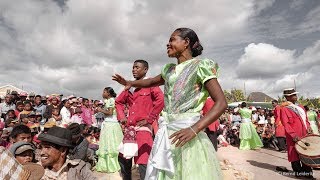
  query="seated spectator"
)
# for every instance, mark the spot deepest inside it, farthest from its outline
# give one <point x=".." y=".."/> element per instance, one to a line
<point x="55" y="145"/>
<point x="23" y="152"/>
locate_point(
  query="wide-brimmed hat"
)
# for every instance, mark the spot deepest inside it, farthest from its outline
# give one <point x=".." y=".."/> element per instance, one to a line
<point x="20" y="147"/>
<point x="75" y="130"/>
<point x="57" y="135"/>
<point x="289" y="92"/>
<point x="36" y="170"/>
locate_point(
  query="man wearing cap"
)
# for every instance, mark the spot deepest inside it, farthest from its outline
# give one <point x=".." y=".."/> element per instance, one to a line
<point x="23" y="152"/>
<point x="55" y="145"/>
<point x="296" y="125"/>
<point x="6" y="105"/>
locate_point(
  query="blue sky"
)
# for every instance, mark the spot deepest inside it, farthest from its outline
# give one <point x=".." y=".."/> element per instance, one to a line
<point x="74" y="46"/>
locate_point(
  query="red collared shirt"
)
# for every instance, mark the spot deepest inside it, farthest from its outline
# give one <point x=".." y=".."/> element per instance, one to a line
<point x="143" y="103"/>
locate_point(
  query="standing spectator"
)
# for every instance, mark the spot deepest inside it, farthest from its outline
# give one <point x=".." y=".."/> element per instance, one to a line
<point x="54" y="103"/>
<point x="55" y="145"/>
<point x="144" y="105"/>
<point x="296" y="125"/>
<point x="65" y="113"/>
<point x="39" y="107"/>
<point x="279" y="132"/>
<point x="6" y="105"/>
<point x="87" y="112"/>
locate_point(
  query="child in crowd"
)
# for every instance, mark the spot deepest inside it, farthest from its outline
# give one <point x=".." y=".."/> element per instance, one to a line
<point x="23" y="152"/>
<point x="56" y="117"/>
<point x="76" y="117"/>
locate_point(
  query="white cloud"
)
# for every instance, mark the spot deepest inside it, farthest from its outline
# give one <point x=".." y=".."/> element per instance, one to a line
<point x="76" y="48"/>
<point x="264" y="61"/>
<point x="264" y="67"/>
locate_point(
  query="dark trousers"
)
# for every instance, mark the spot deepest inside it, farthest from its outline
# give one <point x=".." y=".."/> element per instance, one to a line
<point x="126" y="165"/>
<point x="301" y="169"/>
<point x="281" y="143"/>
<point x="142" y="170"/>
<point x="213" y="138"/>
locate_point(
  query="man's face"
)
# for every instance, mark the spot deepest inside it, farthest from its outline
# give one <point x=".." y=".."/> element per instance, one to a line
<point x="23" y="137"/>
<point x="292" y="98"/>
<point x="20" y="107"/>
<point x="274" y="104"/>
<point x="50" y="154"/>
<point x="8" y="99"/>
<point x="37" y="100"/>
<point x="139" y="70"/>
<point x="25" y="157"/>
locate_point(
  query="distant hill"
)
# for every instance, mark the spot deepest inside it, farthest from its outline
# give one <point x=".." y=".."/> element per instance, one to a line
<point x="259" y="97"/>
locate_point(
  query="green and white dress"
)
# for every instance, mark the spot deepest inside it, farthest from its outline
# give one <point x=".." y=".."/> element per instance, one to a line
<point x="312" y="117"/>
<point x="249" y="138"/>
<point x="110" y="138"/>
<point x="185" y="95"/>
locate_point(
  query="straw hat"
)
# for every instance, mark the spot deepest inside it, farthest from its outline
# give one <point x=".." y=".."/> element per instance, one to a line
<point x="289" y="92"/>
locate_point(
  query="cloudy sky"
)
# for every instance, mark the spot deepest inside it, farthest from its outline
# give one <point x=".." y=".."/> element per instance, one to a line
<point x="74" y="46"/>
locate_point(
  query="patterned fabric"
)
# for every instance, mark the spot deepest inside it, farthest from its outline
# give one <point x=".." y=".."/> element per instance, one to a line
<point x="184" y="94"/>
<point x="184" y="85"/>
<point x="129" y="135"/>
<point x="10" y="169"/>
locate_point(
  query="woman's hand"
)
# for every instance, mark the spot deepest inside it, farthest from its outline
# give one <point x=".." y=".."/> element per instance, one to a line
<point x="182" y="137"/>
<point x="122" y="81"/>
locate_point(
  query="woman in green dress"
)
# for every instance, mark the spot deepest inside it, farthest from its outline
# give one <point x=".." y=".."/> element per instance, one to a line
<point x="181" y="149"/>
<point x="110" y="136"/>
<point x="312" y="118"/>
<point x="249" y="138"/>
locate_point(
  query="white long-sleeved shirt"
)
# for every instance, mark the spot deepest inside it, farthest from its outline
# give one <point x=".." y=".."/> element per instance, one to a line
<point x="66" y="116"/>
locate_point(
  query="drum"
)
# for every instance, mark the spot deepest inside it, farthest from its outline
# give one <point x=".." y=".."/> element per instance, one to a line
<point x="308" y="149"/>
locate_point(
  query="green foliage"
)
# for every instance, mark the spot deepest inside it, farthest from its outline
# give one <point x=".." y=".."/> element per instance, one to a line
<point x="234" y="95"/>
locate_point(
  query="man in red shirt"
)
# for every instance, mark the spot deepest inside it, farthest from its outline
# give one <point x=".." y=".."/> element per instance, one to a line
<point x="212" y="129"/>
<point x="144" y="106"/>
<point x="296" y="125"/>
<point x="280" y="132"/>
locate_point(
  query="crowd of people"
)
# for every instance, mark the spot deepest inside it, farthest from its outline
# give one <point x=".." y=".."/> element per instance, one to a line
<point x="170" y="135"/>
<point x="267" y="125"/>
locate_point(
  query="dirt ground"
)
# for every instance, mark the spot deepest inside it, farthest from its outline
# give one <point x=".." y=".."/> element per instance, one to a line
<point x="252" y="164"/>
